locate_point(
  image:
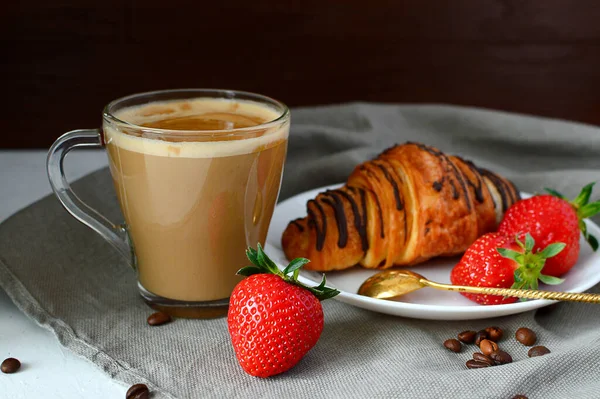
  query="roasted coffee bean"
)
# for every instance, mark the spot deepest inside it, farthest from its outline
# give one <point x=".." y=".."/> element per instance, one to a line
<point x="453" y="345"/>
<point x="480" y="336"/>
<point x="138" y="391"/>
<point x="520" y="397"/>
<point x="467" y="337"/>
<point x="480" y="357"/>
<point x="494" y="333"/>
<point x="475" y="364"/>
<point x="538" y="351"/>
<point x="525" y="336"/>
<point x="488" y="346"/>
<point x="501" y="357"/>
<point x="10" y="365"/>
<point x="158" y="318"/>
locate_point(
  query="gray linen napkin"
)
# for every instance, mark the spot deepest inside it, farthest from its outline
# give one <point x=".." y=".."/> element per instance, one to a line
<point x="67" y="279"/>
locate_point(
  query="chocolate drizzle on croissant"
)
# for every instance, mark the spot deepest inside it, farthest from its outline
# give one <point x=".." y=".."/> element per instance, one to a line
<point x="360" y="221"/>
<point x="409" y="204"/>
<point x="399" y="204"/>
<point x="320" y="232"/>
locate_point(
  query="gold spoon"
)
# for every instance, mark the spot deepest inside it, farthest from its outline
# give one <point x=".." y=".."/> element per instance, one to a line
<point x="394" y="283"/>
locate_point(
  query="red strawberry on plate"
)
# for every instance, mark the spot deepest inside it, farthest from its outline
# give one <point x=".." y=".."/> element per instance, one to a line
<point x="273" y="319"/>
<point x="497" y="260"/>
<point x="553" y="218"/>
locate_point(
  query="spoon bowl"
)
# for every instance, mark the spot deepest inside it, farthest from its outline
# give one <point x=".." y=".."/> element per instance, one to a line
<point x="391" y="283"/>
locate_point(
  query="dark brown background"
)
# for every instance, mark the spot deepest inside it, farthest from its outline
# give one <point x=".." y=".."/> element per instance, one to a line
<point x="63" y="60"/>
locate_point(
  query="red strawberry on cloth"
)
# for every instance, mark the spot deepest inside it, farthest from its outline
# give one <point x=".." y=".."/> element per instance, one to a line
<point x="273" y="319"/>
<point x="553" y="218"/>
<point x="497" y="260"/>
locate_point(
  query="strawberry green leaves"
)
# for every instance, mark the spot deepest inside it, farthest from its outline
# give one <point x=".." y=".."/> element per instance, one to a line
<point x="261" y="263"/>
<point x="550" y="280"/>
<point x="584" y="210"/>
<point x="584" y="196"/>
<point x="295" y="265"/>
<point x="555" y="193"/>
<point x="530" y="264"/>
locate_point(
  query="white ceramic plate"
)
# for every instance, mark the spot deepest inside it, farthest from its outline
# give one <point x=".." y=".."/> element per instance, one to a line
<point x="426" y="303"/>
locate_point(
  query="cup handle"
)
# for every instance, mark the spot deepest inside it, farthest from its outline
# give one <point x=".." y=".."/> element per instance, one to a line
<point x="116" y="235"/>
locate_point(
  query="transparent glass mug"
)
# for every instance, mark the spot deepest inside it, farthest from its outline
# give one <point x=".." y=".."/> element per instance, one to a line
<point x="197" y="175"/>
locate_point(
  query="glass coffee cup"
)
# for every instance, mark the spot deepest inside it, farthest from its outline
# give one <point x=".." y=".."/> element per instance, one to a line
<point x="197" y="175"/>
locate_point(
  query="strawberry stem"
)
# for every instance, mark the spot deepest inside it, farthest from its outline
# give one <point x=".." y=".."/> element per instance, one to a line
<point x="531" y="264"/>
<point x="584" y="210"/>
<point x="261" y="263"/>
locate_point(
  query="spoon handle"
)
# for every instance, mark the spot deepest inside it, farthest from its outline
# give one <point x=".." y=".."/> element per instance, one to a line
<point x="511" y="292"/>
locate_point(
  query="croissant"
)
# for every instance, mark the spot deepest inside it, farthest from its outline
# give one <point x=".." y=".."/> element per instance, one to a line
<point x="408" y="205"/>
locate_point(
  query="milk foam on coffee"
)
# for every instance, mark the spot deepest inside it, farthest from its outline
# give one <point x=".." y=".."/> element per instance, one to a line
<point x="193" y="202"/>
<point x="252" y="113"/>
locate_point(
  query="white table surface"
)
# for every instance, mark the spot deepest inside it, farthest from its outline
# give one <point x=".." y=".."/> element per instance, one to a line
<point x="48" y="370"/>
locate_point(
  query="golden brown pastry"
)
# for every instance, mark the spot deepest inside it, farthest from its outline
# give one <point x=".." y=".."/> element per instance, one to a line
<point x="409" y="204"/>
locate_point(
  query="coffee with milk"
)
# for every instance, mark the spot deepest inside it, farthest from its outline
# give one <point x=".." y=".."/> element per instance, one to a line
<point x="194" y="199"/>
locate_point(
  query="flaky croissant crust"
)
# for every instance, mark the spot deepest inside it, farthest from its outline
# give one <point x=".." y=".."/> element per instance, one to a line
<point x="408" y="205"/>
